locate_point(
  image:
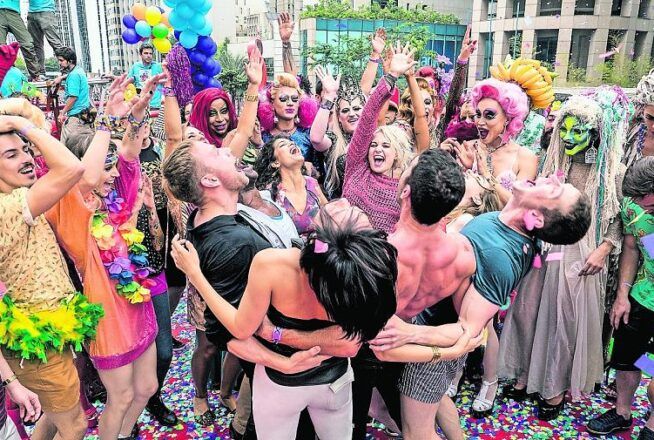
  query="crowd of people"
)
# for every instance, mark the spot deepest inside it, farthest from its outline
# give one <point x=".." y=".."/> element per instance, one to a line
<point x="331" y="240"/>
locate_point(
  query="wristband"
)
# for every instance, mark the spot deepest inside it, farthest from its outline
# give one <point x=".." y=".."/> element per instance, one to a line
<point x="436" y="355"/>
<point x="391" y="80"/>
<point x="136" y="125"/>
<point x="23" y="131"/>
<point x="327" y="104"/>
<point x="628" y="285"/>
<point x="9" y="380"/>
<point x="107" y="123"/>
<point x="169" y="92"/>
<point x="251" y="98"/>
<point x="276" y="335"/>
<point x="375" y="60"/>
<point x="462" y="62"/>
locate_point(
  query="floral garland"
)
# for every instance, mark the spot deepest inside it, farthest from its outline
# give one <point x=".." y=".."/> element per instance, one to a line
<point x="128" y="268"/>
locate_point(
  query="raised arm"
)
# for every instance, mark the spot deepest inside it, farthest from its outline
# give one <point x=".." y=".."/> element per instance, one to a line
<point x="420" y="125"/>
<point x="244" y="321"/>
<point x="130" y="148"/>
<point x="65" y="168"/>
<point x="94" y="158"/>
<point x="172" y="115"/>
<point x="286" y="25"/>
<point x="248" y="117"/>
<point x="318" y="134"/>
<point x="378" y="43"/>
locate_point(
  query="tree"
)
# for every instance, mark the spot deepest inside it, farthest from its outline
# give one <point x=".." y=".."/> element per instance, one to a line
<point x="338" y="9"/>
<point x="232" y="76"/>
<point x="51" y="65"/>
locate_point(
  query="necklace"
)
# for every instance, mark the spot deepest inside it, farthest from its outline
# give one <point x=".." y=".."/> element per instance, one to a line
<point x="640" y="143"/>
<point x="287" y="132"/>
<point x="489" y="157"/>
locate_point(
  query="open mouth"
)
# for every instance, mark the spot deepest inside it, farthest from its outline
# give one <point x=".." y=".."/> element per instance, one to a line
<point x="353" y="120"/>
<point x="294" y="151"/>
<point x="483" y="133"/>
<point x="378" y="159"/>
<point x="27" y="170"/>
<point x="220" y="127"/>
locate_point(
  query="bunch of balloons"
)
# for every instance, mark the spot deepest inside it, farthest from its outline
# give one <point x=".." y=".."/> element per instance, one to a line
<point x="147" y="22"/>
<point x="193" y="30"/>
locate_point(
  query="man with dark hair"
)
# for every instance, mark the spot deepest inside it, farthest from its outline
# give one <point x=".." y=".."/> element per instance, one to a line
<point x="142" y="70"/>
<point x="75" y="117"/>
<point x="632" y="313"/>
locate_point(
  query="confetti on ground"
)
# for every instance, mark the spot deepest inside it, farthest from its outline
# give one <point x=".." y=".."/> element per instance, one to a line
<point x="510" y="421"/>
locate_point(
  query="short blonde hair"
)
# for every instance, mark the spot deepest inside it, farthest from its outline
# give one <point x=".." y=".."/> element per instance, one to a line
<point x="284" y="80"/>
<point x="401" y="143"/>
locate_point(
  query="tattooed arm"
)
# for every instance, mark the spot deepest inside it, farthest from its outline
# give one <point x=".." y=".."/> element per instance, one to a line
<point x="286" y="25"/>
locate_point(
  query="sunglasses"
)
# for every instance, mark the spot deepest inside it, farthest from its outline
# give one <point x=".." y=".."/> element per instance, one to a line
<point x="284" y="98"/>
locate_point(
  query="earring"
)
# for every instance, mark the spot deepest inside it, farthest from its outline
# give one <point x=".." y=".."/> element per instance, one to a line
<point x="275" y="120"/>
<point x="297" y="120"/>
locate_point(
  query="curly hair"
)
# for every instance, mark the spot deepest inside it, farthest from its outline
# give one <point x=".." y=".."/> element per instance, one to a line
<point x="406" y="106"/>
<point x="645" y="89"/>
<point x="510" y="97"/>
<point x="269" y="176"/>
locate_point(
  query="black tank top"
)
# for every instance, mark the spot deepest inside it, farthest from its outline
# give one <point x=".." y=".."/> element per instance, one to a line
<point x="327" y="372"/>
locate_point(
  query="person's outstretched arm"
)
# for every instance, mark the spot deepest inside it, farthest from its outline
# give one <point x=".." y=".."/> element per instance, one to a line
<point x="318" y="134"/>
<point x="172" y="115"/>
<point x="378" y="42"/>
<point x="286" y="25"/>
<point x="420" y="125"/>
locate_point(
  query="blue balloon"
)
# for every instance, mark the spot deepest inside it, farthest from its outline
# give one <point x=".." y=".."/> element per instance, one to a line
<point x="200" y="79"/>
<point x="206" y="30"/>
<point x="177" y="34"/>
<point x="129" y="21"/>
<point x="188" y="39"/>
<point x="197" y="58"/>
<point x="130" y="36"/>
<point x="207" y="46"/>
<point x="203" y="6"/>
<point x="211" y="51"/>
<point x="184" y="11"/>
<point x="197" y="22"/>
<point x="170" y="3"/>
<point x="218" y="69"/>
<point x="143" y="28"/>
<point x="208" y="66"/>
<point x="213" y="82"/>
<point x="177" y="21"/>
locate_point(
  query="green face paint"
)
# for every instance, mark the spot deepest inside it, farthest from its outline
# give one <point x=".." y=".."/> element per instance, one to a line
<point x="575" y="135"/>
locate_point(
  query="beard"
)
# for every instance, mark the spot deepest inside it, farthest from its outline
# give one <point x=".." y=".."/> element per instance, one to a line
<point x="546" y="139"/>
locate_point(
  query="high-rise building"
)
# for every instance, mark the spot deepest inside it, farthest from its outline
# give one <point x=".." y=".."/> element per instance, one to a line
<point x="563" y="33"/>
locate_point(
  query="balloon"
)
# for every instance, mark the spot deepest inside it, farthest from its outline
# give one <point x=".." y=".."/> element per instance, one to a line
<point x="177" y="34"/>
<point x="206" y="30"/>
<point x="162" y="44"/>
<point x="203" y="7"/>
<point x="188" y="39"/>
<point x="170" y="3"/>
<point x="197" y="22"/>
<point x="177" y="21"/>
<point x="213" y="82"/>
<point x="164" y="20"/>
<point x="197" y="58"/>
<point x="143" y="29"/>
<point x="207" y="46"/>
<point x="153" y="15"/>
<point x="160" y="31"/>
<point x="211" y="67"/>
<point x="184" y="11"/>
<point x="200" y="79"/>
<point x="138" y="11"/>
<point x="130" y="36"/>
<point x="129" y="21"/>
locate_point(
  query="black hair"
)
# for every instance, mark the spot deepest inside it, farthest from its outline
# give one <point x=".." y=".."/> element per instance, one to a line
<point x="269" y="176"/>
<point x="437" y="186"/>
<point x="67" y="54"/>
<point x="318" y="87"/>
<point x="145" y="46"/>
<point x="639" y="180"/>
<point x="305" y="84"/>
<point x="354" y="278"/>
<point x="565" y="228"/>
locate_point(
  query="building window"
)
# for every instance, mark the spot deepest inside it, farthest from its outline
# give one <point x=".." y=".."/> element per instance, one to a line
<point x="514" y="41"/>
<point x="580" y="47"/>
<point x="491" y="13"/>
<point x="643" y="8"/>
<point x="546" y="41"/>
<point x="487" y="42"/>
<point x="616" y="7"/>
<point x="639" y="43"/>
<point x="550" y="7"/>
<point x="518" y="8"/>
<point x="616" y="38"/>
<point x="585" y="7"/>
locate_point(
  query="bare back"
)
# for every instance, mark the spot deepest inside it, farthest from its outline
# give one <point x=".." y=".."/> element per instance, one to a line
<point x="432" y="266"/>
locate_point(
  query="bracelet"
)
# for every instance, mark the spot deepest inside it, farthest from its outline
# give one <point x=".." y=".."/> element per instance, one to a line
<point x="462" y="62"/>
<point x="391" y="80"/>
<point x="23" y="131"/>
<point x="9" y="380"/>
<point x="277" y="335"/>
<point x="251" y="98"/>
<point x="327" y="104"/>
<point x="375" y="60"/>
<point x="628" y="285"/>
<point x="169" y="92"/>
<point x="136" y="125"/>
<point x="286" y="44"/>
<point x="436" y="355"/>
<point x="107" y="123"/>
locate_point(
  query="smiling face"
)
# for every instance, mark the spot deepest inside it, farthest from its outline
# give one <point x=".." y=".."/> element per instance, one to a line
<point x="109" y="175"/>
<point x="467" y="113"/>
<point x="349" y="113"/>
<point x="221" y="167"/>
<point x="219" y="117"/>
<point x="381" y="155"/>
<point x="17" y="168"/>
<point x="544" y="193"/>
<point x="287" y="154"/>
<point x="286" y="103"/>
<point x="490" y="119"/>
<point x="648" y="118"/>
<point x="576" y="135"/>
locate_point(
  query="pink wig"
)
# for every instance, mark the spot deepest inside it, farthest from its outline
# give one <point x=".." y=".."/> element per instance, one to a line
<point x="510" y="97"/>
<point x="432" y="77"/>
<point x="307" y="110"/>
<point x="200" y="113"/>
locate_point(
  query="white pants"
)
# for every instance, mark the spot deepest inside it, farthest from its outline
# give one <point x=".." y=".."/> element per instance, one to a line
<point x="8" y="431"/>
<point x="277" y="408"/>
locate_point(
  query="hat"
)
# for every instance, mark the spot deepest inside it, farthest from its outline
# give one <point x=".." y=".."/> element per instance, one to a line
<point x="8" y="54"/>
<point x="395" y="99"/>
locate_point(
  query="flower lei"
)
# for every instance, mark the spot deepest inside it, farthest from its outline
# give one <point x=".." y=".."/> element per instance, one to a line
<point x="130" y="272"/>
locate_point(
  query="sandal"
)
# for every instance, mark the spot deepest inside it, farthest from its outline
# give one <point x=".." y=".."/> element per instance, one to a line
<point x="548" y="412"/>
<point x="228" y="402"/>
<point x="455" y="385"/>
<point x="483" y="406"/>
<point x="205" y="419"/>
<point x="513" y="393"/>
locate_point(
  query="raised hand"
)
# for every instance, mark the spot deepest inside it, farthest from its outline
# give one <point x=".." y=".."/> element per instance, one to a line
<point x="386" y="61"/>
<point x="378" y="41"/>
<point x="116" y="105"/>
<point x="402" y="60"/>
<point x="142" y="102"/>
<point x="468" y="47"/>
<point x="285" y="26"/>
<point x="253" y="67"/>
<point x="330" y="85"/>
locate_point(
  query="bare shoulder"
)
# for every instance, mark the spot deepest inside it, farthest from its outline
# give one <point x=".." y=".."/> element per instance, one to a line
<point x="275" y="259"/>
<point x="526" y="154"/>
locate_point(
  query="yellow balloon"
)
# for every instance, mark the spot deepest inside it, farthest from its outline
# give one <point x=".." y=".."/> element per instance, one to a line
<point x="138" y="11"/>
<point x="162" y="44"/>
<point x="153" y="15"/>
<point x="130" y="93"/>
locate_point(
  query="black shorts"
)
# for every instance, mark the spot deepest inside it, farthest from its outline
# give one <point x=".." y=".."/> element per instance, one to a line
<point x="633" y="340"/>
